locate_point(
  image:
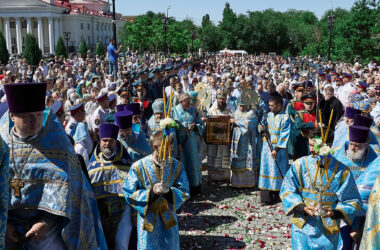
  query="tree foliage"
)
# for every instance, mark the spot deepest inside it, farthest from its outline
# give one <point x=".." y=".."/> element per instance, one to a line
<point x="356" y="32"/>
<point x="83" y="48"/>
<point x="4" y="54"/>
<point x="32" y="52"/>
<point x="60" y="48"/>
<point x="100" y="50"/>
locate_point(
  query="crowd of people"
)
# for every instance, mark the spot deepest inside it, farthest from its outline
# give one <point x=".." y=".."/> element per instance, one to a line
<point x="84" y="164"/>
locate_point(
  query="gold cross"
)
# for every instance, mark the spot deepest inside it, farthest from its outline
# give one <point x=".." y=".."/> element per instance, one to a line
<point x="17" y="184"/>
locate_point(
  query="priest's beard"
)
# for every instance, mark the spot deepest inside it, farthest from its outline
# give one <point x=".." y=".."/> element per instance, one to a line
<point x="328" y="97"/>
<point x="107" y="152"/>
<point x="358" y="155"/>
<point x="222" y="107"/>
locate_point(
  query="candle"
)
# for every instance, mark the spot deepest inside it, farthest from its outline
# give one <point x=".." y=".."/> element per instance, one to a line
<point x="325" y="140"/>
<point x="328" y="126"/>
<point x="163" y="91"/>
<point x="165" y="144"/>
<point x="170" y="102"/>
<point x="321" y="124"/>
<point x="316" y="172"/>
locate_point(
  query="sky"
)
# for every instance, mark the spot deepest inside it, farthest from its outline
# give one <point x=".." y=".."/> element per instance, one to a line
<point x="196" y="9"/>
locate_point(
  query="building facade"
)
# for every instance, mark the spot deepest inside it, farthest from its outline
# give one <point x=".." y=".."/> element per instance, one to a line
<point x="47" y="20"/>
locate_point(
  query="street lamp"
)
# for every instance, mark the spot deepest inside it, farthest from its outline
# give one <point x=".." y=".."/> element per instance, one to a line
<point x="165" y="22"/>
<point x="66" y="36"/>
<point x="114" y="21"/>
<point x="330" y="20"/>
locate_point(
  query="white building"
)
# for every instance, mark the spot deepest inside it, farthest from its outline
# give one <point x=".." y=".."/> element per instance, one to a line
<point x="89" y="20"/>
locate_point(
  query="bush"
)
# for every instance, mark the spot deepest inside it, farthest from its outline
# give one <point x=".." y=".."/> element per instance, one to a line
<point x="4" y="55"/>
<point x="60" y="48"/>
<point x="83" y="48"/>
<point x="100" y="50"/>
<point x="32" y="52"/>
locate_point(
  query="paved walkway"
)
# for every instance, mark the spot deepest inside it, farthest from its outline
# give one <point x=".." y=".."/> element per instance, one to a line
<point x="227" y="218"/>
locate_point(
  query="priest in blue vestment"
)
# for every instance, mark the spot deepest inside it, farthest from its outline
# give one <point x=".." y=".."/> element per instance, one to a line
<point x="52" y="205"/>
<point x="108" y="169"/>
<point x="319" y="192"/>
<point x="190" y="127"/>
<point x="363" y="161"/>
<point x="157" y="189"/>
<point x="244" y="160"/>
<point x="274" y="161"/>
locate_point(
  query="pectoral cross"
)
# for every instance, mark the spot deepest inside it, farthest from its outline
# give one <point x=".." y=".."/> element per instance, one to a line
<point x="16" y="184"/>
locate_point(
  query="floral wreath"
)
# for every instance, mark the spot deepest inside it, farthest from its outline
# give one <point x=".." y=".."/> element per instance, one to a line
<point x="168" y="125"/>
<point x="321" y="148"/>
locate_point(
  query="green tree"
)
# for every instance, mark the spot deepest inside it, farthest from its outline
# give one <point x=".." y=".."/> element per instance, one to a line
<point x="210" y="35"/>
<point x="99" y="50"/>
<point x="60" y="48"/>
<point x="83" y="48"/>
<point x="4" y="55"/>
<point x="227" y="27"/>
<point x="32" y="52"/>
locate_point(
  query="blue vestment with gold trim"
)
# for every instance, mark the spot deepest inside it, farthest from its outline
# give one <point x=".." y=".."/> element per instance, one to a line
<point x="341" y="194"/>
<point x="243" y="158"/>
<point x="4" y="190"/>
<point x="157" y="225"/>
<point x="189" y="141"/>
<point x="364" y="172"/>
<point x="108" y="177"/>
<point x="279" y="129"/>
<point x="53" y="182"/>
<point x="371" y="231"/>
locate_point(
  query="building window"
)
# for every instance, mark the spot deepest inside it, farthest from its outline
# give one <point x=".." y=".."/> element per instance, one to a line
<point x="88" y="26"/>
<point x="23" y="24"/>
<point x="35" y="24"/>
<point x="81" y="26"/>
<point x="89" y="40"/>
<point x="97" y="26"/>
<point x="12" y="24"/>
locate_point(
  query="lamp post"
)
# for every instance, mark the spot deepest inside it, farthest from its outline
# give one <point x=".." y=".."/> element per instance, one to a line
<point x="66" y="36"/>
<point x="114" y="21"/>
<point x="330" y="20"/>
<point x="192" y="42"/>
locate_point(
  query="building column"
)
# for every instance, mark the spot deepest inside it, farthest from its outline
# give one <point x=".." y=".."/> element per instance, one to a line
<point x="51" y="35"/>
<point x="56" y="30"/>
<point x="40" y="34"/>
<point x="8" y="34"/>
<point x="18" y="36"/>
<point x="58" y="27"/>
<point x="28" y="25"/>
